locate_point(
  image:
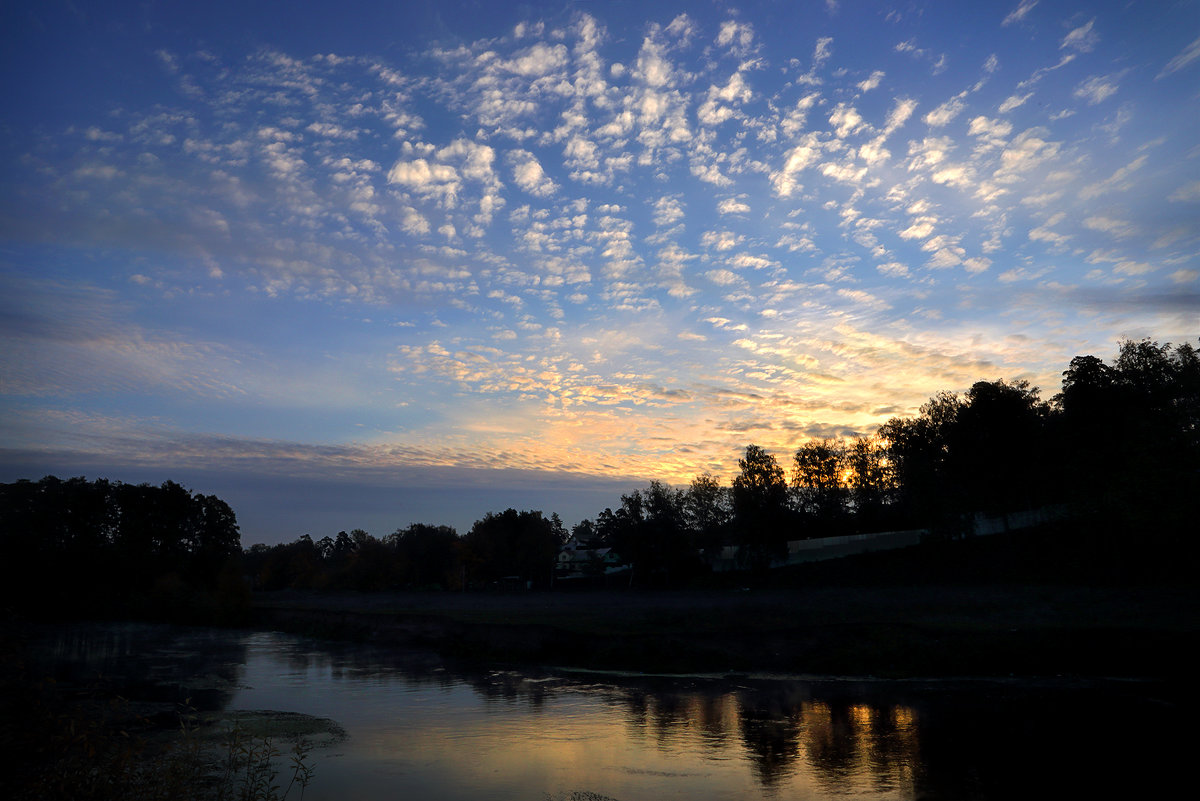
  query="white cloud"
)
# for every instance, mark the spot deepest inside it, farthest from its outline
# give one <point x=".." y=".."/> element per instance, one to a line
<point x="540" y="59"/>
<point x="945" y="113"/>
<point x="992" y="133"/>
<point x="846" y="120"/>
<point x="1110" y="225"/>
<point x="667" y="211"/>
<point x="900" y="113"/>
<point x="823" y="50"/>
<point x="718" y="106"/>
<point x="652" y="66"/>
<point x="1185" y="193"/>
<point x="920" y="228"/>
<point x="1083" y="38"/>
<point x="799" y="158"/>
<point x="1130" y="267"/>
<point x="721" y="240"/>
<point x="1184" y="58"/>
<point x="1020" y="12"/>
<point x="426" y="178"/>
<point x="733" y="206"/>
<point x="1096" y="89"/>
<point x="1117" y="182"/>
<point x="1026" y="151"/>
<point x="1014" y="101"/>
<point x="529" y="175"/>
<point x="738" y="35"/>
<point x="894" y="269"/>
<point x="1044" y="232"/>
<point x="872" y="82"/>
<point x="724" y="277"/>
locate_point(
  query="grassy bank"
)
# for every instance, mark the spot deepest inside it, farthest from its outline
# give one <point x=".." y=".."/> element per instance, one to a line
<point x="996" y="630"/>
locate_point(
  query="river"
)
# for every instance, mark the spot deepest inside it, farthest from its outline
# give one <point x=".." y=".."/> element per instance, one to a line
<point x="415" y="728"/>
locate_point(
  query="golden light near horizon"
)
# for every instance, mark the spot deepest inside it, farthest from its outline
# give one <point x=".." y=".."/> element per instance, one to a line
<point x="618" y="243"/>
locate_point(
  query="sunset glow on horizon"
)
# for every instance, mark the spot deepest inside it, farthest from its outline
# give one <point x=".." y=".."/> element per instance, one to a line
<point x="451" y="246"/>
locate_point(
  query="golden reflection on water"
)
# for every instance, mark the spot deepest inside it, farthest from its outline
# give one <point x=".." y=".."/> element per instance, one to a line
<point x="624" y="742"/>
<point x="419" y="730"/>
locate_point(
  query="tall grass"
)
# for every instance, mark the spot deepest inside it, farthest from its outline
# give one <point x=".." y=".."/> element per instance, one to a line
<point x="93" y="750"/>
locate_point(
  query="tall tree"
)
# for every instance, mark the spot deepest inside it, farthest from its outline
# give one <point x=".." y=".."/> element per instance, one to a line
<point x="512" y="544"/>
<point x="820" y="486"/>
<point x="706" y="506"/>
<point x="760" y="508"/>
<point x="871" y="482"/>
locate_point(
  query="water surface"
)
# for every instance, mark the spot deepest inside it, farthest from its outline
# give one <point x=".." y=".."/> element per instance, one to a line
<point x="417" y="728"/>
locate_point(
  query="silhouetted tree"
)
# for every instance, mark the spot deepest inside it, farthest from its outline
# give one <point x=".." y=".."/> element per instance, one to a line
<point x="78" y="546"/>
<point x="1130" y="434"/>
<point x="918" y="448"/>
<point x="871" y="483"/>
<point x="707" y="510"/>
<point x="997" y="454"/>
<point x="822" y="494"/>
<point x="760" y="508"/>
<point x="428" y="555"/>
<point x="649" y="532"/>
<point x="512" y="544"/>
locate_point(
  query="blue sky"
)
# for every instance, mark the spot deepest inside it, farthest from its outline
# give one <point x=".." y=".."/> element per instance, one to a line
<point x="381" y="263"/>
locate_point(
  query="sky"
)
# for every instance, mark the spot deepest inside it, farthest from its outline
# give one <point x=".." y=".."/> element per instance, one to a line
<point x="369" y="264"/>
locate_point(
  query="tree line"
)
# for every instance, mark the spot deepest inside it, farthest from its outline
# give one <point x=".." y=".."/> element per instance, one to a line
<point x="105" y="546"/>
<point x="1118" y="446"/>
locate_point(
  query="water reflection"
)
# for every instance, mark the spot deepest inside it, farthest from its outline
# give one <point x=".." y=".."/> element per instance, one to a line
<point x="418" y="728"/>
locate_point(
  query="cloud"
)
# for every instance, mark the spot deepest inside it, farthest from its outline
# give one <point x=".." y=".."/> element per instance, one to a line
<point x="822" y="51"/>
<point x="733" y="206"/>
<point x="431" y="179"/>
<point x="1014" y="101"/>
<point x="540" y="59"/>
<point x="1020" y="12"/>
<point x="1096" y="89"/>
<point x="724" y="277"/>
<point x="991" y="133"/>
<point x="1186" y="193"/>
<point x="529" y="175"/>
<point x="784" y="181"/>
<point x="738" y="36"/>
<point x="846" y="121"/>
<point x="945" y="113"/>
<point x="1181" y="60"/>
<point x="901" y="111"/>
<point x="1083" y="38"/>
<point x="720" y="240"/>
<point x="872" y="82"/>
<point x="1121" y="229"/>
<point x="667" y="211"/>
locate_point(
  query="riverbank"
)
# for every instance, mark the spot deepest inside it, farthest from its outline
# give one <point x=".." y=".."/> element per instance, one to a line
<point x="887" y="632"/>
